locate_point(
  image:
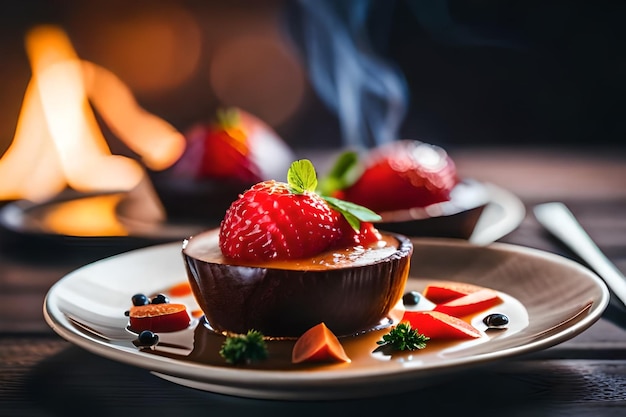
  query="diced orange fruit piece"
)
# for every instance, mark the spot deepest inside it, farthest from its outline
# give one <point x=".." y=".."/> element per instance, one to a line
<point x="470" y="303"/>
<point x="318" y="344"/>
<point x="167" y="317"/>
<point x="437" y="325"/>
<point x="444" y="291"/>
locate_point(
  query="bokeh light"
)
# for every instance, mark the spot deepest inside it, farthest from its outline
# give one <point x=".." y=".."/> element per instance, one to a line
<point x="153" y="49"/>
<point x="258" y="74"/>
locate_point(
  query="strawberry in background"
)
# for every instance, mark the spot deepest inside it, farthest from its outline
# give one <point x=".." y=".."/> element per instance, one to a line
<point x="397" y="176"/>
<point x="222" y="159"/>
<point x="234" y="146"/>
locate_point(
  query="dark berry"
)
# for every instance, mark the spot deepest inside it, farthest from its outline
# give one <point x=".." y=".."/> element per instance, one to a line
<point x="496" y="321"/>
<point x="411" y="298"/>
<point x="127" y="313"/>
<point x="147" y="338"/>
<point x="160" y="299"/>
<point x="140" y="300"/>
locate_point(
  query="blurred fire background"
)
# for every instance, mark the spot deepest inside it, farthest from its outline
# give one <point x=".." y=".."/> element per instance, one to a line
<point x="477" y="72"/>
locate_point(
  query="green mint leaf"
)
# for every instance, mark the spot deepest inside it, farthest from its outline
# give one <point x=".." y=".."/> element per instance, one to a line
<point x="301" y="176"/>
<point x="353" y="221"/>
<point x="354" y="213"/>
<point x="341" y="175"/>
<point x="362" y="213"/>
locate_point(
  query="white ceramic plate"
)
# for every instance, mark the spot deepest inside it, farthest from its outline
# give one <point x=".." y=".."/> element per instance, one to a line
<point x="548" y="298"/>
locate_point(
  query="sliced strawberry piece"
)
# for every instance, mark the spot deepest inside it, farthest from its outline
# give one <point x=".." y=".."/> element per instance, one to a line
<point x="403" y="175"/>
<point x="168" y="317"/>
<point x="438" y="325"/>
<point x="444" y="291"/>
<point x="470" y="303"/>
<point x="318" y="344"/>
<point x="270" y="222"/>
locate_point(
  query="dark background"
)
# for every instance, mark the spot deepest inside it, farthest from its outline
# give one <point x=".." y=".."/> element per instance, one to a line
<point x="535" y="72"/>
<point x="507" y="73"/>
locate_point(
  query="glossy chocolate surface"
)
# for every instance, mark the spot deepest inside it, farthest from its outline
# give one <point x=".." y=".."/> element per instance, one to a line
<point x="287" y="302"/>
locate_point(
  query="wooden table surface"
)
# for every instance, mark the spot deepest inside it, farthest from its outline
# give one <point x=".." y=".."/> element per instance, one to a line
<point x="43" y="375"/>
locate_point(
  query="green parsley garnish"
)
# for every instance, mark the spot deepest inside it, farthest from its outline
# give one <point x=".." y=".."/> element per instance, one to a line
<point x="244" y="348"/>
<point x="302" y="178"/>
<point x="402" y="337"/>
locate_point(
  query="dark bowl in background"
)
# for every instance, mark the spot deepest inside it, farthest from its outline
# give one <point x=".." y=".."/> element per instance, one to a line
<point x="455" y="218"/>
<point x="190" y="201"/>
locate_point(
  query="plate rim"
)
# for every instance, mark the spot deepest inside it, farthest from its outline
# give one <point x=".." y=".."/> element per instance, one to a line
<point x="266" y="383"/>
<point x="158" y="233"/>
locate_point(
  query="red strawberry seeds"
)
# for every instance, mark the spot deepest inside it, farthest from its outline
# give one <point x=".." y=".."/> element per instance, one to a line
<point x="367" y="235"/>
<point x="269" y="222"/>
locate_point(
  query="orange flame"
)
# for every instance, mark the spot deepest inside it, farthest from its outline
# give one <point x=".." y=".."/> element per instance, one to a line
<point x="58" y="143"/>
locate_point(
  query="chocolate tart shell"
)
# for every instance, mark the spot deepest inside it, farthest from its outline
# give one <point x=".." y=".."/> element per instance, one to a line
<point x="286" y="303"/>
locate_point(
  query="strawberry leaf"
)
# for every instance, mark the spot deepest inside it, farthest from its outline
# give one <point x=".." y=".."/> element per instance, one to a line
<point x="343" y="173"/>
<point x="228" y="118"/>
<point x="301" y="176"/>
<point x="353" y="213"/>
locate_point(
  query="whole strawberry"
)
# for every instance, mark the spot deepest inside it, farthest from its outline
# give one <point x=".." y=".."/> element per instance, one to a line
<point x="365" y="236"/>
<point x="403" y="175"/>
<point x="235" y="146"/>
<point x="226" y="152"/>
<point x="276" y="220"/>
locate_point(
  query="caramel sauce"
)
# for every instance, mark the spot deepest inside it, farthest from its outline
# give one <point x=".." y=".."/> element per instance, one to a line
<point x="197" y="313"/>
<point x="206" y="248"/>
<point x="200" y="345"/>
<point x="182" y="289"/>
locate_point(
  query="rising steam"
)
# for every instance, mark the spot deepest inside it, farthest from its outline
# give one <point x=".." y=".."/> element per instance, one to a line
<point x="368" y="95"/>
